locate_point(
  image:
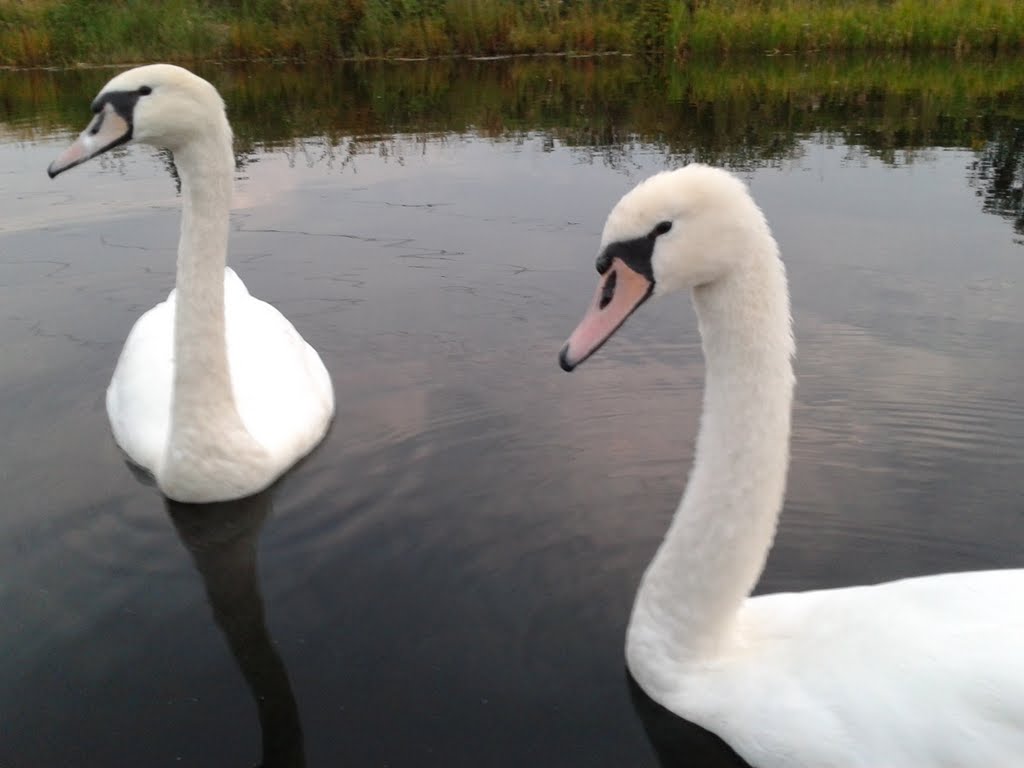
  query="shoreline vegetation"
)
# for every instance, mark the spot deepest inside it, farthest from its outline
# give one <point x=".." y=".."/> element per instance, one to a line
<point x="70" y="32"/>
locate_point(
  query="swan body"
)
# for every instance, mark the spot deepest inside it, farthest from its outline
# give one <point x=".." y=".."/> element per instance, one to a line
<point x="925" y="672"/>
<point x="215" y="392"/>
<point x="269" y="362"/>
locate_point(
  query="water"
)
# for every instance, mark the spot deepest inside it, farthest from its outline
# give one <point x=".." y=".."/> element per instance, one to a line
<point x="446" y="580"/>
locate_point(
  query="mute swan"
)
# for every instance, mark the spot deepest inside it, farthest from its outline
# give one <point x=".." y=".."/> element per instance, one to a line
<point x="215" y="392"/>
<point x="918" y="673"/>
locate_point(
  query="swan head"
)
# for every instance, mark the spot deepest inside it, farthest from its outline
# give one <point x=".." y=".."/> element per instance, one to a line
<point x="673" y="231"/>
<point x="159" y="104"/>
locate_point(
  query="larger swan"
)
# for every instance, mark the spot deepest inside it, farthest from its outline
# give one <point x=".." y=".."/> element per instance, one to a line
<point x="215" y="393"/>
<point x="918" y="673"/>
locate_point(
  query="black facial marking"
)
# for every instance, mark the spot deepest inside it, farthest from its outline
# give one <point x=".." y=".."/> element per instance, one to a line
<point x="635" y="254"/>
<point x="608" y="290"/>
<point x="123" y="103"/>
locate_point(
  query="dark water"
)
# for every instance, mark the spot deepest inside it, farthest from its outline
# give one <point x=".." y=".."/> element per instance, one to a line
<point x="446" y="580"/>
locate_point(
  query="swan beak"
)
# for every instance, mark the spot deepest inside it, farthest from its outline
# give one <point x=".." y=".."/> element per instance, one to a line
<point x="620" y="291"/>
<point x="107" y="130"/>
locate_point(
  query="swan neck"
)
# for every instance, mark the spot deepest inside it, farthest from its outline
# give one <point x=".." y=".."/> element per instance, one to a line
<point x="210" y="453"/>
<point x="202" y="381"/>
<point x="719" y="538"/>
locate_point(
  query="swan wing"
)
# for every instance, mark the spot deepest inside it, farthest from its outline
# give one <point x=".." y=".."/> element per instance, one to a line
<point x="281" y="386"/>
<point x="139" y="393"/>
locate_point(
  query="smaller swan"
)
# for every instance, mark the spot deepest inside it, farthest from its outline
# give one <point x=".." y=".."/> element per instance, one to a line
<point x="919" y="673"/>
<point x="215" y="392"/>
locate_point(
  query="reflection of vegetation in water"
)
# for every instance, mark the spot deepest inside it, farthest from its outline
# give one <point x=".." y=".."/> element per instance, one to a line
<point x="742" y="114"/>
<point x="999" y="173"/>
<point x="42" y="31"/>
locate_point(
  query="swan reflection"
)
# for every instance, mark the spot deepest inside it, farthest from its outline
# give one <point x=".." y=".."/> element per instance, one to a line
<point x="222" y="540"/>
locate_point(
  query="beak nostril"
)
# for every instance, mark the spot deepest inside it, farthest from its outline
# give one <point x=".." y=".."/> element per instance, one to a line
<point x="608" y="290"/>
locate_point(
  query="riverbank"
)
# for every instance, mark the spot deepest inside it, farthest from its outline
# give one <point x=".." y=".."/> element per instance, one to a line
<point x="34" y="32"/>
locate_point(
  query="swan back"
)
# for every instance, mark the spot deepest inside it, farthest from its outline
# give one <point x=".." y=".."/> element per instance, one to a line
<point x="908" y="674"/>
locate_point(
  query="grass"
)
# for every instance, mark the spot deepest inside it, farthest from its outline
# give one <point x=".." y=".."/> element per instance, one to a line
<point x="71" y="31"/>
<point x="835" y="25"/>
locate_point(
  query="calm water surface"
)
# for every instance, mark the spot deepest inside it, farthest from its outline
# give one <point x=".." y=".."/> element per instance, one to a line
<point x="446" y="580"/>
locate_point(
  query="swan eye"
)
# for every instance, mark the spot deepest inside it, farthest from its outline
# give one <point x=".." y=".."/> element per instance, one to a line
<point x="145" y="90"/>
<point x="661" y="229"/>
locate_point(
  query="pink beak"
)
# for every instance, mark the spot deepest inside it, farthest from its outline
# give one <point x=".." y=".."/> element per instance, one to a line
<point x="619" y="292"/>
<point x="106" y="130"/>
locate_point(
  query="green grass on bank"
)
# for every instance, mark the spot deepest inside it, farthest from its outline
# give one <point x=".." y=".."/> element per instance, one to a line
<point x="806" y="25"/>
<point x="111" y="31"/>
